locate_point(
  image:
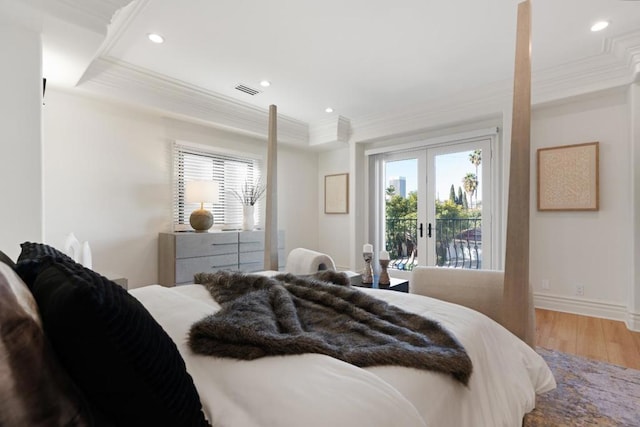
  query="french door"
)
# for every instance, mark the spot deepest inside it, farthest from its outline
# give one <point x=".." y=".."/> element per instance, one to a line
<point x="435" y="205"/>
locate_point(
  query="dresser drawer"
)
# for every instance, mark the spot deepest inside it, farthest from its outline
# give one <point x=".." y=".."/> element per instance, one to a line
<point x="181" y="255"/>
<point x="204" y="244"/>
<point x="252" y="267"/>
<point x="254" y="261"/>
<point x="187" y="267"/>
<point x="253" y="241"/>
<point x="251" y="257"/>
<point x="257" y="237"/>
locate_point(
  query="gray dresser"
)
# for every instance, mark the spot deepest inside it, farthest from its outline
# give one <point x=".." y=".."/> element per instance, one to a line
<point x="183" y="254"/>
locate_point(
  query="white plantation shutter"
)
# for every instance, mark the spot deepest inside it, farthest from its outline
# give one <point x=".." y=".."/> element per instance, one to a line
<point x="232" y="171"/>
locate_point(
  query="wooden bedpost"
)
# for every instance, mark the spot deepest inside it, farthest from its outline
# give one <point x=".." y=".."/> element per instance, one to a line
<point x="271" y="217"/>
<point x="517" y="296"/>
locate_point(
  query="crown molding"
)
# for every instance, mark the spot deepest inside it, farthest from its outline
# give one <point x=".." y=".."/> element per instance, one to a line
<point x="94" y="15"/>
<point x="113" y="78"/>
<point x="468" y="106"/>
<point x="580" y="77"/>
<point x="109" y="76"/>
<point x="329" y="134"/>
<point x="627" y="48"/>
<point x="613" y="67"/>
<point x="119" y="24"/>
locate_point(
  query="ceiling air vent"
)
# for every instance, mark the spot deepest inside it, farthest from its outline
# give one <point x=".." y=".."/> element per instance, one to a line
<point x="246" y="89"/>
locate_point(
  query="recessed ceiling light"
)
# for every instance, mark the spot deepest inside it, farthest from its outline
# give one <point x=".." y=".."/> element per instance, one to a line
<point x="599" y="26"/>
<point x="329" y="110"/>
<point x="156" y="38"/>
<point x="265" y="83"/>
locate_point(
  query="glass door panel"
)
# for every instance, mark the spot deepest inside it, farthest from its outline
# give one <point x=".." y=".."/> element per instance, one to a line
<point x="458" y="207"/>
<point x="403" y="173"/>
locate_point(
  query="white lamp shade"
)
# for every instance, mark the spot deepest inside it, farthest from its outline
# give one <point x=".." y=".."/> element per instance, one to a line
<point x="202" y="191"/>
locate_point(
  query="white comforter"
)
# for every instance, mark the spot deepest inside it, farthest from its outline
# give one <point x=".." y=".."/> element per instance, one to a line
<point x="315" y="390"/>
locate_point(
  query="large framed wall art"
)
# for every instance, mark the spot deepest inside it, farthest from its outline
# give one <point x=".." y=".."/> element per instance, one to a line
<point x="568" y="178"/>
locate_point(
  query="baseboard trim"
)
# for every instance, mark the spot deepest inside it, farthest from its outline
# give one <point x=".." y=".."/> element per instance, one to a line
<point x="633" y="321"/>
<point x="585" y="307"/>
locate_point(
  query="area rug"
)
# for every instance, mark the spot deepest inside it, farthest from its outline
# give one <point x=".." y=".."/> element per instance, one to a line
<point x="589" y="393"/>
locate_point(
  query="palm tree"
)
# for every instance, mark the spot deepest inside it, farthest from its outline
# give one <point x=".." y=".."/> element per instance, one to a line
<point x="470" y="182"/>
<point x="476" y="159"/>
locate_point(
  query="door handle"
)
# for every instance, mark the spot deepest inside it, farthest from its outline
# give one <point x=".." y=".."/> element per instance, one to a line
<point x="420" y="228"/>
<point x="429" y="230"/>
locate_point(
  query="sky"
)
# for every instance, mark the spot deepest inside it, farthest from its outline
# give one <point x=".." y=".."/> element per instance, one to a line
<point x="450" y="168"/>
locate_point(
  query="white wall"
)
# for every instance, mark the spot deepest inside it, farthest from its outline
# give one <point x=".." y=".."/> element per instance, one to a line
<point x="107" y="179"/>
<point x="298" y="207"/>
<point x="20" y="145"/>
<point x="593" y="249"/>
<point x="107" y="173"/>
<point x="335" y="229"/>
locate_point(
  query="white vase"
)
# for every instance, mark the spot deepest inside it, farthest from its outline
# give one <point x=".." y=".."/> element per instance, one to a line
<point x="248" y="221"/>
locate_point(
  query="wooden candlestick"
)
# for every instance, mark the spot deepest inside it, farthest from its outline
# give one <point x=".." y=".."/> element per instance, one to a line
<point x="384" y="276"/>
<point x="367" y="273"/>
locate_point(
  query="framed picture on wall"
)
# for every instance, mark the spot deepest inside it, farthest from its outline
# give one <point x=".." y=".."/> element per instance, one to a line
<point x="568" y="178"/>
<point x="336" y="193"/>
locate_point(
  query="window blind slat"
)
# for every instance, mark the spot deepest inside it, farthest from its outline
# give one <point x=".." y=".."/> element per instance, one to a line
<point x="232" y="172"/>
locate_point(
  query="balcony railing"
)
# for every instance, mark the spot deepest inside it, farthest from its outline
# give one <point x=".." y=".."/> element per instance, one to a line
<point x="402" y="243"/>
<point x="458" y="243"/>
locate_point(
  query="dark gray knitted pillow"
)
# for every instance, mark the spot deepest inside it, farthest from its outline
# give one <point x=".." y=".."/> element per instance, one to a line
<point x="127" y="366"/>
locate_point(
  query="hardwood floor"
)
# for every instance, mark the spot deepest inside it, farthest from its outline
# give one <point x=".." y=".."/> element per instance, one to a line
<point x="600" y="339"/>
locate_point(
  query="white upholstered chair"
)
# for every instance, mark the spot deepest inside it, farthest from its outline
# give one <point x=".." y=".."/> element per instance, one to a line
<point x="480" y="290"/>
<point x="306" y="261"/>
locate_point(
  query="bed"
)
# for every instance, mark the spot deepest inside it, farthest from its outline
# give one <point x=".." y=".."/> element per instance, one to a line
<point x="78" y="350"/>
<point x="317" y="390"/>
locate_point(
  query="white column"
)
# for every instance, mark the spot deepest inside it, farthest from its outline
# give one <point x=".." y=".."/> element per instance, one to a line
<point x="21" y="187"/>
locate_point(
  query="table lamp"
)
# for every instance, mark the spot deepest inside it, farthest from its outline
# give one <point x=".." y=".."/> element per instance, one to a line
<point x="201" y="192"/>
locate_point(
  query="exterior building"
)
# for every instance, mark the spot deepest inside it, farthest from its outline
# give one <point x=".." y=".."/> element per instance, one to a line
<point x="400" y="184"/>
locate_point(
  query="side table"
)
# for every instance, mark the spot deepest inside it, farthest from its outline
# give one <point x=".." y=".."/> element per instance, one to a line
<point x="399" y="285"/>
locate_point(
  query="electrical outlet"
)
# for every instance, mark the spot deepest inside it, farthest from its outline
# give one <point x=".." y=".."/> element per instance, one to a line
<point x="580" y="290"/>
<point x="545" y="283"/>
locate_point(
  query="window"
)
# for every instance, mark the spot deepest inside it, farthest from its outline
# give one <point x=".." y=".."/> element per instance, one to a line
<point x="431" y="201"/>
<point x="230" y="170"/>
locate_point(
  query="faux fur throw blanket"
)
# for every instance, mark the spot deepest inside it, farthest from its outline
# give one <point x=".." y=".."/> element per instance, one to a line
<point x="286" y="314"/>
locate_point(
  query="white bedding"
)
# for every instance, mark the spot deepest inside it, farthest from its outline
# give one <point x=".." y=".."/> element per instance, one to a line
<point x="315" y="390"/>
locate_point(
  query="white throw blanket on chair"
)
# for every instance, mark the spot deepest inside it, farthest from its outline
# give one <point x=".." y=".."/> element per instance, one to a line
<point x="306" y="261"/>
